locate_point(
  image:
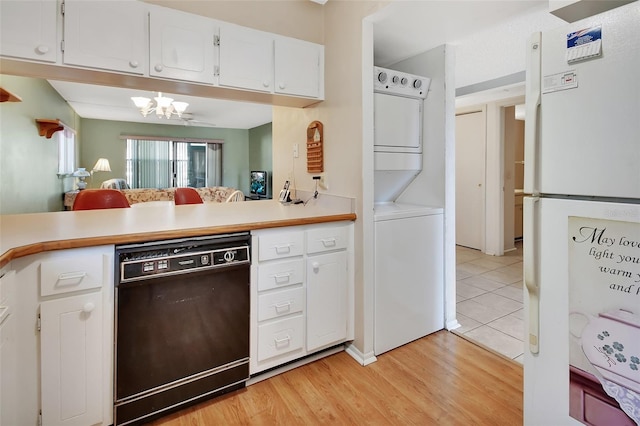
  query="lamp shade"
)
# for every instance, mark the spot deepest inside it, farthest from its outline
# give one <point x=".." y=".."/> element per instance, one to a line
<point x="81" y="173"/>
<point x="102" y="165"/>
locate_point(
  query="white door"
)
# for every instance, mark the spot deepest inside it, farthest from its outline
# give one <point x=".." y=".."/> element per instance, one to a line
<point x="246" y="58"/>
<point x="106" y="35"/>
<point x="28" y="30"/>
<point x="298" y="67"/>
<point x="71" y="350"/>
<point x="326" y="299"/>
<point x="470" y="178"/>
<point x="181" y="46"/>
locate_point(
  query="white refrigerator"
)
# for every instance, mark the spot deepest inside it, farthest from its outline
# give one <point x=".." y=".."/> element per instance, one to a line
<point x="582" y="223"/>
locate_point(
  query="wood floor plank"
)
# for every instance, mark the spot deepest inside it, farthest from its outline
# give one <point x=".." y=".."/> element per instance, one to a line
<point x="441" y="379"/>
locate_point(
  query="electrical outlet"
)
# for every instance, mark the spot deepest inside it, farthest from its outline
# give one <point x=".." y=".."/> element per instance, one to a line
<point x="295" y="150"/>
<point x="322" y="183"/>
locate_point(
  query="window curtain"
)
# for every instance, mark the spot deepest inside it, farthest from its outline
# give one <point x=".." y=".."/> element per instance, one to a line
<point x="168" y="163"/>
<point x="148" y="164"/>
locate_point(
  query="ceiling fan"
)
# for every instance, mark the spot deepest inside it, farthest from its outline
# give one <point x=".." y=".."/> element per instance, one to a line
<point x="189" y="120"/>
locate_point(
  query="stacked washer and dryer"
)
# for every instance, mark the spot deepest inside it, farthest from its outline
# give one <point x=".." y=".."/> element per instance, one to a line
<point x="409" y="289"/>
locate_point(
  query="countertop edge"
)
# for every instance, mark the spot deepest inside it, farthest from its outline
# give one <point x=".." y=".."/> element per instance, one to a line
<point x="18" y="252"/>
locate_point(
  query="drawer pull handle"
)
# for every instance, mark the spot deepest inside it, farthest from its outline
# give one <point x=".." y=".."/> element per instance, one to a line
<point x="283" y="249"/>
<point x="71" y="276"/>
<point x="329" y="242"/>
<point x="284" y="340"/>
<point x="283" y="307"/>
<point x="282" y="278"/>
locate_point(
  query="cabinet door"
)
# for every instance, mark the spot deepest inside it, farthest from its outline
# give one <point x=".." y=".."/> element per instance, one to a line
<point x="326" y="299"/>
<point x="71" y="351"/>
<point x="8" y="353"/>
<point x="246" y="58"/>
<point x="28" y="29"/>
<point x="181" y="45"/>
<point x="298" y="67"/>
<point x="109" y="35"/>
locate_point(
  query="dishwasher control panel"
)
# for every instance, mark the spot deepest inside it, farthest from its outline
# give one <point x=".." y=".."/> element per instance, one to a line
<point x="144" y="262"/>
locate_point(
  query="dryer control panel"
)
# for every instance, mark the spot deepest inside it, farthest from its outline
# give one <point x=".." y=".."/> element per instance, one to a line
<point x="400" y="83"/>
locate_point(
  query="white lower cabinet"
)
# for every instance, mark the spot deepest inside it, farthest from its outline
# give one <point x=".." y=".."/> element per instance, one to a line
<point x="301" y="292"/>
<point x="62" y="335"/>
<point x="8" y="350"/>
<point x="326" y="299"/>
<point x="71" y="352"/>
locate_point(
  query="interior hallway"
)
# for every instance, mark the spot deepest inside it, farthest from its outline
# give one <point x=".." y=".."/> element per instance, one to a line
<point x="489" y="294"/>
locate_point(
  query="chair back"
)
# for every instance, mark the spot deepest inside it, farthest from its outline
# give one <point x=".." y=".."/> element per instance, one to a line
<point x="91" y="199"/>
<point x="187" y="196"/>
<point x="236" y="195"/>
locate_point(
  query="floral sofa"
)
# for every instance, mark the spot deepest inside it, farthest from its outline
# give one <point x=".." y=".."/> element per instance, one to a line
<point x="211" y="194"/>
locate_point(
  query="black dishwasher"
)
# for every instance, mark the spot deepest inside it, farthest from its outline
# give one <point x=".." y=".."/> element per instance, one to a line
<point x="182" y="323"/>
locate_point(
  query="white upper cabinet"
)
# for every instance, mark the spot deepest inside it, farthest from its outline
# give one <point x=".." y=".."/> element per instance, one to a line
<point x="245" y="58"/>
<point x="299" y="68"/>
<point x="181" y="46"/>
<point x="109" y="35"/>
<point x="28" y="30"/>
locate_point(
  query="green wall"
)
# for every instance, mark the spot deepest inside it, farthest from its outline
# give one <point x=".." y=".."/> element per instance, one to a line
<point x="260" y="151"/>
<point x="28" y="161"/>
<point x="101" y="139"/>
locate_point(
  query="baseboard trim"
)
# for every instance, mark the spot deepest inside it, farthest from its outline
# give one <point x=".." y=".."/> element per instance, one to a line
<point x="361" y="358"/>
<point x="452" y="325"/>
<point x="295" y="364"/>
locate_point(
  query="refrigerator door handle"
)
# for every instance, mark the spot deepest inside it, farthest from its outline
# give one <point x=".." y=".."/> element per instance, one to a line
<point x="531" y="262"/>
<point x="533" y="96"/>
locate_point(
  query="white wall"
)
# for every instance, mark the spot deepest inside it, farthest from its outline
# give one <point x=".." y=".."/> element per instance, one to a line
<point x="342" y="116"/>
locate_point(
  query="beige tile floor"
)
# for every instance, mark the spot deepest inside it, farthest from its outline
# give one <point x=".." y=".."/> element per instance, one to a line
<point x="489" y="296"/>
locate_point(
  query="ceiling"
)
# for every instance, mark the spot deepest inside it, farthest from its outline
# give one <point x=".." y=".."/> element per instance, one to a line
<point x="406" y="28"/>
<point x="401" y="30"/>
<point x="115" y="104"/>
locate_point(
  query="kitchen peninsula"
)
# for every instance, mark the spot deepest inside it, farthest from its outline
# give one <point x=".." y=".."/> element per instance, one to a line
<point x="57" y="276"/>
<point x="24" y="234"/>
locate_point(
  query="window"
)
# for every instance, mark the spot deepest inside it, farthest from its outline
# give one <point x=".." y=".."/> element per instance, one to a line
<point x="66" y="151"/>
<point x="164" y="163"/>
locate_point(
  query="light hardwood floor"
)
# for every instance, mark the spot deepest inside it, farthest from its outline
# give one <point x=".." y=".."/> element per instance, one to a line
<point x="441" y="379"/>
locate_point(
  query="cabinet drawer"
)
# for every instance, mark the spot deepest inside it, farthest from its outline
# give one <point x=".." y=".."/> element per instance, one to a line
<point x="71" y="274"/>
<point x="281" y="274"/>
<point x="326" y="239"/>
<point x="280" y="245"/>
<point x="280" y="337"/>
<point x="281" y="303"/>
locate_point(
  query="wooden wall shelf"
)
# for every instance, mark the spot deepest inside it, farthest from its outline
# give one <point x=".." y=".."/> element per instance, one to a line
<point x="315" y="140"/>
<point x="7" y="96"/>
<point x="48" y="127"/>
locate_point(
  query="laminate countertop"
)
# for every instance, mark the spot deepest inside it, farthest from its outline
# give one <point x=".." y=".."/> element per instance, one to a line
<point x="26" y="234"/>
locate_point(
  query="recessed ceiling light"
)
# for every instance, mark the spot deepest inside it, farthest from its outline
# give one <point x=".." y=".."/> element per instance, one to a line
<point x="320" y="1"/>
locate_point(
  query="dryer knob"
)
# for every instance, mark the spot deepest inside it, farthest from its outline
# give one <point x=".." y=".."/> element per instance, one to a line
<point x="417" y="84"/>
<point x="395" y="79"/>
<point x="404" y="81"/>
<point x="382" y="77"/>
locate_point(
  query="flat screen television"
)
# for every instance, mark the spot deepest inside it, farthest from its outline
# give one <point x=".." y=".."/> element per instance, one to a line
<point x="259" y="183"/>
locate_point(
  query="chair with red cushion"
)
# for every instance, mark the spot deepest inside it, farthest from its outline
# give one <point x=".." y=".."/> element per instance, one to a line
<point x="90" y="199"/>
<point x="187" y="196"/>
